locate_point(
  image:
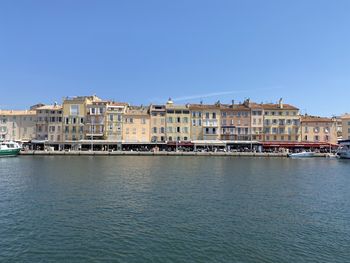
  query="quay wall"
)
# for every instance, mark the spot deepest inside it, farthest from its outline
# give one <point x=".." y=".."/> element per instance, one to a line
<point x="134" y="153"/>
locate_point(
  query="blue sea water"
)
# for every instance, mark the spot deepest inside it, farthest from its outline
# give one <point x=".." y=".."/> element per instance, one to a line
<point x="174" y="209"/>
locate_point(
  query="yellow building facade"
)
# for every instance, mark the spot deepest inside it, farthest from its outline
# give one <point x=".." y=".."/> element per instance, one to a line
<point x="178" y="125"/>
<point x="74" y="117"/>
<point x="346" y="126"/>
<point x="136" y="126"/>
<point x="318" y="129"/>
<point x="281" y="122"/>
<point x="157" y="115"/>
<point x="114" y="121"/>
<point x="205" y="121"/>
<point x="17" y="125"/>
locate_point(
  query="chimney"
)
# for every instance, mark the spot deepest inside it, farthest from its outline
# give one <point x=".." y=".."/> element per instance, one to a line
<point x="246" y="102"/>
<point x="280" y="103"/>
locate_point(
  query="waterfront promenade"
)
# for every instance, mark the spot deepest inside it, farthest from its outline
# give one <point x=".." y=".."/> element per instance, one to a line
<point x="160" y="153"/>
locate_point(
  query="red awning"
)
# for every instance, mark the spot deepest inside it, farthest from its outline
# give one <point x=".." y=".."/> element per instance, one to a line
<point x="298" y="144"/>
<point x="180" y="144"/>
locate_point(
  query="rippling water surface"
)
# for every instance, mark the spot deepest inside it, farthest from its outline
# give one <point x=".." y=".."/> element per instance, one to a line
<point x="174" y="209"/>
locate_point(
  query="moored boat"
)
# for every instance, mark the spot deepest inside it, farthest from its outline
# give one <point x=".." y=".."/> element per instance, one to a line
<point x="344" y="149"/>
<point x="8" y="149"/>
<point x="301" y="155"/>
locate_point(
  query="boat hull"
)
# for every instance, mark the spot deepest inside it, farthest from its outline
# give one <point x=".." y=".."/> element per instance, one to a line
<point x="9" y="152"/>
<point x="344" y="155"/>
<point x="302" y="155"/>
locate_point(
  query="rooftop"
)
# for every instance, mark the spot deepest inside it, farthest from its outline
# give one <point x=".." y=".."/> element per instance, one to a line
<point x="50" y="107"/>
<point x="17" y="112"/>
<point x="273" y="106"/>
<point x="307" y="118"/>
<point x="204" y="106"/>
<point x="137" y="110"/>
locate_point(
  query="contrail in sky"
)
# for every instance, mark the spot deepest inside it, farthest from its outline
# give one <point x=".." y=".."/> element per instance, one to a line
<point x="214" y="94"/>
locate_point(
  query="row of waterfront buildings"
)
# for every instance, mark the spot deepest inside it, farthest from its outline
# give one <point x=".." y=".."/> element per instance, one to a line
<point x="87" y="120"/>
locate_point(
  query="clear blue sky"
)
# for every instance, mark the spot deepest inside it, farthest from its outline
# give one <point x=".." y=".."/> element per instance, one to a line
<point x="145" y="51"/>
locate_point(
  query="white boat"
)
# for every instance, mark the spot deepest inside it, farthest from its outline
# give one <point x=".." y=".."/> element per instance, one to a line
<point x="8" y="149"/>
<point x="301" y="155"/>
<point x="344" y="149"/>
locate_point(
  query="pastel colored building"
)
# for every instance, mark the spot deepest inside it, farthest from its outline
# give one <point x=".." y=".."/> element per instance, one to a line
<point x="17" y="125"/>
<point x="114" y="121"/>
<point x="49" y="122"/>
<point x="95" y="120"/>
<point x="318" y="129"/>
<point x="196" y="127"/>
<point x="74" y="117"/>
<point x="177" y="122"/>
<point x="339" y="127"/>
<point x="346" y="126"/>
<point x="136" y="126"/>
<point x="210" y="121"/>
<point x="281" y="122"/>
<point x="257" y="121"/>
<point x="157" y="113"/>
<point x="236" y="122"/>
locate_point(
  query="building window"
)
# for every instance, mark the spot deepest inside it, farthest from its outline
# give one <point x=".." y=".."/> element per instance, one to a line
<point x="74" y="110"/>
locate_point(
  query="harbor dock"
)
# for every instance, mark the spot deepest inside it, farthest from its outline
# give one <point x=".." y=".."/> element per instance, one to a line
<point x="160" y="153"/>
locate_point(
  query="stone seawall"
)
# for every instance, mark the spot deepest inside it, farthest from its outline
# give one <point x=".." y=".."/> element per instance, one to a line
<point x="129" y="153"/>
